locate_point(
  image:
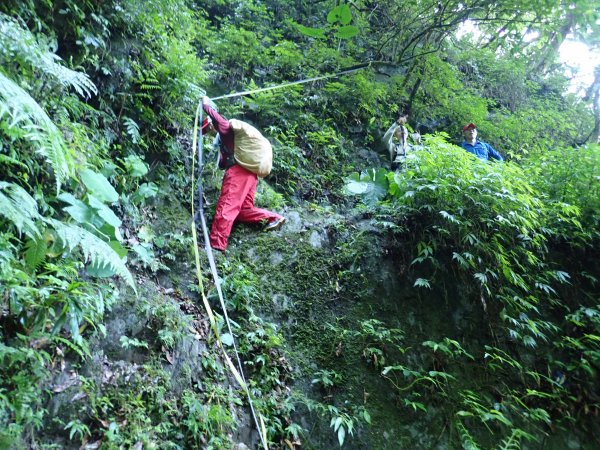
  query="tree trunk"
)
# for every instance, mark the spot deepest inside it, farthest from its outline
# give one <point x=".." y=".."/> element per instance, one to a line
<point x="551" y="50"/>
<point x="593" y="93"/>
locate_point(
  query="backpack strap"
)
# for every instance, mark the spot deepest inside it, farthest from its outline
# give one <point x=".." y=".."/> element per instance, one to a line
<point x="226" y="158"/>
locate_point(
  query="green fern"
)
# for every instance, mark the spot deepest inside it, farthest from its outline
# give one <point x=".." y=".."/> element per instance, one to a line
<point x="513" y="442"/>
<point x="80" y="347"/>
<point x="4" y="159"/>
<point x="94" y="249"/>
<point x="133" y="130"/>
<point x="467" y="441"/>
<point x="149" y="80"/>
<point x="17" y="43"/>
<point x="24" y="113"/>
<point x="20" y="209"/>
<point x="24" y="117"/>
<point x="35" y="253"/>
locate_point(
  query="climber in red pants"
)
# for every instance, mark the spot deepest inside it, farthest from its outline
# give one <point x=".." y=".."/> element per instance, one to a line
<point x="236" y="202"/>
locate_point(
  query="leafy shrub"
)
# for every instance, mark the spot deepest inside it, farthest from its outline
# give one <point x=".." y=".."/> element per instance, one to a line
<point x="489" y="227"/>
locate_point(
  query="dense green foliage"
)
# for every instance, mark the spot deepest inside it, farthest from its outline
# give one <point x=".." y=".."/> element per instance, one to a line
<point x="515" y="245"/>
<point x="96" y="106"/>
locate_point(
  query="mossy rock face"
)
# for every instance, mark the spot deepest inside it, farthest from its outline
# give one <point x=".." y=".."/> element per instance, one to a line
<point x="321" y="274"/>
<point x="321" y="279"/>
<point x="140" y="372"/>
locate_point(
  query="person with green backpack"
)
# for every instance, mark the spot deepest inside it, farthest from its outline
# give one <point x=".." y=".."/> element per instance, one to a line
<point x="245" y="154"/>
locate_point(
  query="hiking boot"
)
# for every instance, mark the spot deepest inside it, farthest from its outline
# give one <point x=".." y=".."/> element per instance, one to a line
<point x="275" y="225"/>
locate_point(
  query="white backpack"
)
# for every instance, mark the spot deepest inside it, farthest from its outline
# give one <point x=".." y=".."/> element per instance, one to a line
<point x="252" y="150"/>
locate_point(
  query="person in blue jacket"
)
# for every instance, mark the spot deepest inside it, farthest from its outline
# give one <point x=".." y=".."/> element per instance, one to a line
<point x="481" y="149"/>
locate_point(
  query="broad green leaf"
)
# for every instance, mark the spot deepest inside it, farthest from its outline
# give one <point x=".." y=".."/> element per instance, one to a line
<point x="81" y="213"/>
<point x="367" y="416"/>
<point x="109" y="169"/>
<point x="105" y="212"/>
<point x="318" y="33"/>
<point x="118" y="248"/>
<point x="111" y="232"/>
<point x="336" y="423"/>
<point x="341" y="435"/>
<point x="70" y="199"/>
<point x="372" y="185"/>
<point x="147" y="190"/>
<point x="346" y="32"/>
<point x="341" y="14"/>
<point x="357" y="186"/>
<point x="136" y="167"/>
<point x="98" y="186"/>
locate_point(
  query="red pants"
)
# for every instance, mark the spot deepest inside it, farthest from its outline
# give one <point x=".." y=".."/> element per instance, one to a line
<point x="236" y="204"/>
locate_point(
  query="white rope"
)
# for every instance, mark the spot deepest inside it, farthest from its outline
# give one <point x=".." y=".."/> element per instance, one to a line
<point x="239" y="372"/>
<point x="279" y="86"/>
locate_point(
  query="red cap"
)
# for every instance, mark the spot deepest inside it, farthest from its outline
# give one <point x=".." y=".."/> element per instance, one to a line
<point x="469" y="126"/>
<point x="205" y="123"/>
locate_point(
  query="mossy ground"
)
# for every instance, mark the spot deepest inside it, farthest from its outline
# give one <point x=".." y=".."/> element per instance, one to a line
<point x="318" y="296"/>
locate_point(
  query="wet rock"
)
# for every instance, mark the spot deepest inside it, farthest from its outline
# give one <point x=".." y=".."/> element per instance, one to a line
<point x="316" y="239"/>
<point x="294" y="223"/>
<point x="186" y="369"/>
<point x="276" y="259"/>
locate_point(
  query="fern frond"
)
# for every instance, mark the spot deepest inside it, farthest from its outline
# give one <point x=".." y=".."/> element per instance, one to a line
<point x="94" y="249"/>
<point x="20" y="44"/>
<point x="8" y="160"/>
<point x="133" y="130"/>
<point x="513" y="442"/>
<point x="26" y="114"/>
<point x="20" y="209"/>
<point x="7" y="255"/>
<point x="150" y="87"/>
<point x="79" y="347"/>
<point x="35" y="253"/>
<point x="67" y="77"/>
<point x="468" y="442"/>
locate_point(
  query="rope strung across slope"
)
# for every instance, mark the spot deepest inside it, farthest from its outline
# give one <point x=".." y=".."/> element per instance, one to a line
<point x="279" y="86"/>
<point x="239" y="375"/>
